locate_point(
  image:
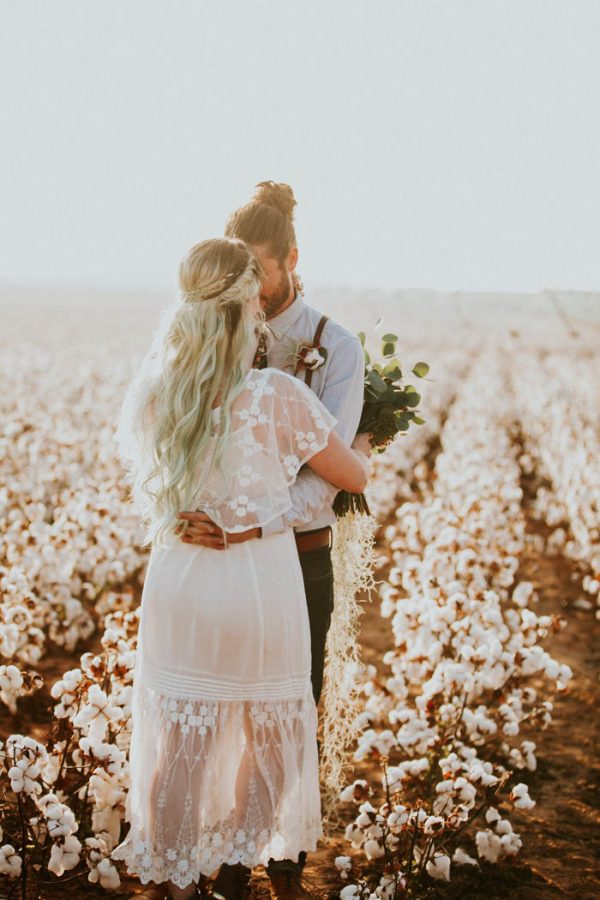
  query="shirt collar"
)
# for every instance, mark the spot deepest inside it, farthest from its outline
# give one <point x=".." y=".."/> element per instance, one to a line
<point x="283" y="321"/>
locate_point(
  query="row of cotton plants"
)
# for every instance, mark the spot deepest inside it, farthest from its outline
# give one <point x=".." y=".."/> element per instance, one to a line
<point x="470" y="681"/>
<point x="62" y="802"/>
<point x="402" y="464"/>
<point x="67" y="531"/>
<point x="560" y="424"/>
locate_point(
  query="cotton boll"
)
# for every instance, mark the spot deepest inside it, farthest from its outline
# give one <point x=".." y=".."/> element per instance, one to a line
<point x="109" y="876"/>
<point x="65" y="856"/>
<point x="462" y="858"/>
<point x="444" y="787"/>
<point x="60" y="819"/>
<point x="97" y="713"/>
<point x="492" y="816"/>
<point x="9" y="640"/>
<point x="564" y="676"/>
<point x="511" y="843"/>
<point x="11" y="678"/>
<point x="355" y="791"/>
<point x="465" y="790"/>
<point x="482" y="773"/>
<point x="388" y="885"/>
<point x="510" y="729"/>
<point x="439" y="867"/>
<point x="523" y="593"/>
<point x="398" y="817"/>
<point x="344" y="865"/>
<point x="354" y="835"/>
<point x="433" y="825"/>
<point x="373" y="849"/>
<point x="10" y="861"/>
<point x="489" y="846"/>
<point x="520" y="797"/>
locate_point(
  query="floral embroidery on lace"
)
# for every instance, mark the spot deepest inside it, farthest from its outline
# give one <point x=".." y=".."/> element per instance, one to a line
<point x="242" y="505"/>
<point x="186" y="718"/>
<point x="307" y="440"/>
<point x="185" y="863"/>
<point x="248" y="476"/>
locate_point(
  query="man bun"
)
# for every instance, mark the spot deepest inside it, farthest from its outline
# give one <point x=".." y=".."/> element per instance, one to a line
<point x="277" y="194"/>
<point x="267" y="220"/>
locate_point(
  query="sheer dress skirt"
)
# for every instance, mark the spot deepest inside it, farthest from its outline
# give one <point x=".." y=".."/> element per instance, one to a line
<point x="223" y="755"/>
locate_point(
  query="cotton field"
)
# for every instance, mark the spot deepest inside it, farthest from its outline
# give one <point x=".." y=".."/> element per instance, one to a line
<point x="477" y="640"/>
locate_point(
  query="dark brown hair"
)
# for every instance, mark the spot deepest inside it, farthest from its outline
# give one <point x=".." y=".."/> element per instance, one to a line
<point x="267" y="220"/>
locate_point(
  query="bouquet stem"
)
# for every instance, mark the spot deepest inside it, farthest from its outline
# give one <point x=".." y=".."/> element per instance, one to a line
<point x="345" y="503"/>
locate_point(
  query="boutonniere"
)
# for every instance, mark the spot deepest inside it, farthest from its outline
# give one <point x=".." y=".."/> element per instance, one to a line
<point x="304" y="355"/>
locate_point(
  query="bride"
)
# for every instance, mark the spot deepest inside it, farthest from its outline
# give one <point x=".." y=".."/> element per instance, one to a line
<point x="223" y="757"/>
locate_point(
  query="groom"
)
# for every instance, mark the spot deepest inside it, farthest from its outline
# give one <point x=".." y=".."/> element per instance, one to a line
<point x="336" y="376"/>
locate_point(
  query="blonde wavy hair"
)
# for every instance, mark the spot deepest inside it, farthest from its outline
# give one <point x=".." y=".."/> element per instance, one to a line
<point x="206" y="352"/>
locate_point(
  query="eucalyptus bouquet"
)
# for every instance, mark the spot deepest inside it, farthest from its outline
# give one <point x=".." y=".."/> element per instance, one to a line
<point x="389" y="408"/>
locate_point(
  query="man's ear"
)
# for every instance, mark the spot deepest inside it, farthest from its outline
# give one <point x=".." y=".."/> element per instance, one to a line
<point x="292" y="259"/>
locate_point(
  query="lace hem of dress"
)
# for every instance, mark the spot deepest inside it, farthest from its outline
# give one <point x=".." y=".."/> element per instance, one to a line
<point x="189" y="863"/>
<point x="219" y="781"/>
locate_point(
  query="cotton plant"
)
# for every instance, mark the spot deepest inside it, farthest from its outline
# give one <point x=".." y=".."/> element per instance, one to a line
<point x="464" y="687"/>
<point x="68" y="797"/>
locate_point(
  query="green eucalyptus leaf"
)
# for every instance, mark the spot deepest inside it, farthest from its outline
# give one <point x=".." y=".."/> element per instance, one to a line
<point x="420" y="369"/>
<point x="377" y="383"/>
<point x="362" y="338"/>
<point x="418" y="420"/>
<point x="393" y="371"/>
<point x="388" y="349"/>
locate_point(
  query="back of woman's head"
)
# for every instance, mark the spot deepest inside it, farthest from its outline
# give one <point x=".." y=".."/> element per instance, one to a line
<point x="206" y="353"/>
<point x="267" y="220"/>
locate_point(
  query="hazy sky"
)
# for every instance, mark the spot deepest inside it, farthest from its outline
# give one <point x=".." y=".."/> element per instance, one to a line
<point x="451" y="144"/>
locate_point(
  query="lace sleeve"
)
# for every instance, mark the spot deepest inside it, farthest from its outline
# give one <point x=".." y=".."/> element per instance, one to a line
<point x="302" y="423"/>
<point x="278" y="424"/>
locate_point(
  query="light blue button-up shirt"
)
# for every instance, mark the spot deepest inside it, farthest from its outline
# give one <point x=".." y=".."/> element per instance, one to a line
<point x="338" y="383"/>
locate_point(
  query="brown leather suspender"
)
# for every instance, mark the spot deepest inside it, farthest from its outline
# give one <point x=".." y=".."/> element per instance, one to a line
<point x="308" y="373"/>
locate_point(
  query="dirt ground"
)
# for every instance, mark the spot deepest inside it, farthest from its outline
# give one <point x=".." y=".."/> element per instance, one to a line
<point x="561" y="835"/>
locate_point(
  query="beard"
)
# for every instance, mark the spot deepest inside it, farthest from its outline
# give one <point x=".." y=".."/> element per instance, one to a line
<point x="273" y="302"/>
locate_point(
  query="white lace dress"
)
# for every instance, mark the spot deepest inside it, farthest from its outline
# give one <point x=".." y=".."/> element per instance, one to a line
<point x="223" y="755"/>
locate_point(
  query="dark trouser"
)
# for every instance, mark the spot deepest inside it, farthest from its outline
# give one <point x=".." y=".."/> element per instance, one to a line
<point x="318" y="585"/>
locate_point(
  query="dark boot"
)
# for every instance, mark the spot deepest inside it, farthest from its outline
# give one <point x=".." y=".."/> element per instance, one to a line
<point x="232" y="883"/>
<point x="286" y="879"/>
